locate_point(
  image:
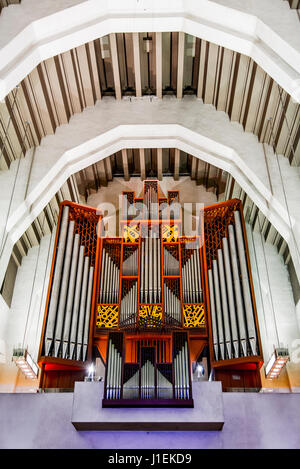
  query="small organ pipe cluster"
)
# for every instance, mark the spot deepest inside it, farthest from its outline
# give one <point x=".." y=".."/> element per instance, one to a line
<point x="151" y="301"/>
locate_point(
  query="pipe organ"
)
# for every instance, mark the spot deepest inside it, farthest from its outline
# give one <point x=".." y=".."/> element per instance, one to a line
<point x="150" y="301"/>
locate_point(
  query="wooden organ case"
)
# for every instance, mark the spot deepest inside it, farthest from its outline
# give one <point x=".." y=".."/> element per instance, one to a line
<point x="150" y="301"/>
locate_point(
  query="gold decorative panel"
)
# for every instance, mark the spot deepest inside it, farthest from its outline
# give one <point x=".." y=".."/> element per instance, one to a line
<point x="131" y="233"/>
<point x="150" y="315"/>
<point x="193" y="315"/>
<point x="170" y="233"/>
<point x="107" y="316"/>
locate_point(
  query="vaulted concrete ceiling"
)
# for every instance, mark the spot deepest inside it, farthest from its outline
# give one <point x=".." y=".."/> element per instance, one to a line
<point x="295" y="4"/>
<point x="119" y="65"/>
<point x="6" y="3"/>
<point x="163" y="64"/>
<point x="265" y="31"/>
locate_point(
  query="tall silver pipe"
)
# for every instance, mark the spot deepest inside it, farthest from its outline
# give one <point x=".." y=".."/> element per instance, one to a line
<point x="135" y="304"/>
<point x="70" y="297"/>
<point x="113" y="370"/>
<point x="116" y="284"/>
<point x="146" y="269"/>
<point x="63" y="289"/>
<point x="110" y="277"/>
<point x="108" y="379"/>
<point x="120" y="376"/>
<point x="101" y="292"/>
<point x="82" y="309"/>
<point x="105" y="276"/>
<point x="230" y="296"/>
<point x="54" y="295"/>
<point x="186" y="281"/>
<point x="193" y="278"/>
<point x="187" y="369"/>
<point x="159" y="268"/>
<point x="245" y="283"/>
<point x="88" y="313"/>
<point x="183" y="372"/>
<point x="218" y="309"/>
<point x="108" y="283"/>
<point x="76" y="304"/>
<point x="199" y="274"/>
<point x="180" y="372"/>
<point x="175" y="377"/>
<point x="155" y="299"/>
<point x="150" y="270"/>
<point x="237" y="290"/>
<point x="224" y="304"/>
<point x="190" y="281"/>
<point x="142" y="272"/>
<point x="117" y="375"/>
<point x="123" y="312"/>
<point x="183" y="276"/>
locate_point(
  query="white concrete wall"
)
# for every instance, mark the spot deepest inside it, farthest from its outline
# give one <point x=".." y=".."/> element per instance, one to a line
<point x="4" y="313"/>
<point x="21" y="324"/>
<point x="274" y="296"/>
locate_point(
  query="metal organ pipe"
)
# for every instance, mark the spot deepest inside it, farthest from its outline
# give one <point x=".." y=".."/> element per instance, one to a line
<point x="108" y="372"/>
<point x="105" y="278"/>
<point x="188" y="281"/>
<point x="76" y="303"/>
<point x="52" y="310"/>
<point x="142" y="272"/>
<point x="155" y="271"/>
<point x="230" y="296"/>
<point x="70" y="297"/>
<point x="150" y="257"/>
<point x="186" y="370"/>
<point x="193" y="278"/>
<point x="113" y="370"/>
<point x="183" y="276"/>
<point x="237" y="290"/>
<point x="63" y="289"/>
<point x="213" y="314"/>
<point x="181" y="382"/>
<point x="82" y="309"/>
<point x="103" y="265"/>
<point x="146" y="270"/>
<point x="159" y="268"/>
<point x="197" y="254"/>
<point x="88" y="313"/>
<point x="218" y="309"/>
<point x="109" y="292"/>
<point x="245" y="283"/>
<point x="224" y="304"/>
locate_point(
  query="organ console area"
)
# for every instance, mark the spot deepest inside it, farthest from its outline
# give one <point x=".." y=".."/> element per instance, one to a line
<point x="151" y="303"/>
